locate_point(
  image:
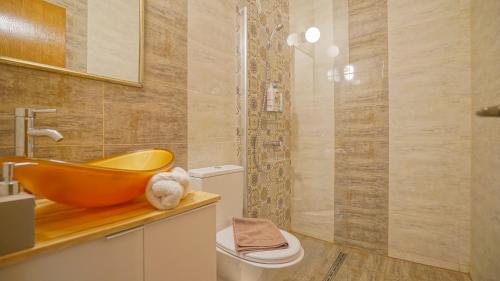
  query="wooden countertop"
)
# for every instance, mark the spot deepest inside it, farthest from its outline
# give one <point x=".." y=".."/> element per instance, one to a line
<point x="59" y="226"/>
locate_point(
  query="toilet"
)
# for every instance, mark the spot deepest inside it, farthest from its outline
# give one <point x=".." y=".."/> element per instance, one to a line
<point x="227" y="180"/>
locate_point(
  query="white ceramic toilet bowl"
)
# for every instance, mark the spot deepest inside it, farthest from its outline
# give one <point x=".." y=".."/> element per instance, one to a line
<point x="256" y="266"/>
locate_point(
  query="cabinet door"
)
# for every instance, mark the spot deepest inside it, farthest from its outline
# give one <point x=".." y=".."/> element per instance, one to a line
<point x="118" y="257"/>
<point x="181" y="248"/>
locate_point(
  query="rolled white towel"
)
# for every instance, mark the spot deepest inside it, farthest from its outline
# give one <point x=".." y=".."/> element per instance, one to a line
<point x="165" y="190"/>
<point x="181" y="176"/>
<point x="164" y="194"/>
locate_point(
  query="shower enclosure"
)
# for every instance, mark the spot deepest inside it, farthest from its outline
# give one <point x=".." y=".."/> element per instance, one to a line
<point x="317" y="38"/>
<point x="289" y="155"/>
<point x="334" y="164"/>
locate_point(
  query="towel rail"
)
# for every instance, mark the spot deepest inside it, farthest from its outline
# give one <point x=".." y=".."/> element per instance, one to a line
<point x="490" y="111"/>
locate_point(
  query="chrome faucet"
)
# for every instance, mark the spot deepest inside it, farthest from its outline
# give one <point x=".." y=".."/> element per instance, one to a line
<point x="26" y="131"/>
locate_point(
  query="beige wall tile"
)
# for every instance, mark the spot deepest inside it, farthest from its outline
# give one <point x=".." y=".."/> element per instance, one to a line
<point x="179" y="150"/>
<point x="78" y="103"/>
<point x="361" y="132"/>
<point x="7" y="125"/>
<point x="212" y="83"/>
<point x="212" y="118"/>
<point x="429" y="143"/>
<point x="79" y="153"/>
<point x="7" y="151"/>
<point x="211" y="153"/>
<point x="151" y="119"/>
<point x="485" y="235"/>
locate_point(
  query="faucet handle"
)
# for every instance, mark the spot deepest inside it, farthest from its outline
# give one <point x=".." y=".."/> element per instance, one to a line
<point x="45" y="110"/>
<point x="30" y="112"/>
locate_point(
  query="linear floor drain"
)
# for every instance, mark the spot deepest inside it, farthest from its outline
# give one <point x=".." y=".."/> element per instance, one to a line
<point x="335" y="266"/>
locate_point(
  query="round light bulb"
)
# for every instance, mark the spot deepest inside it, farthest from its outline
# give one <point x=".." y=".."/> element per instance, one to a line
<point x="292" y="39"/>
<point x="313" y="34"/>
<point x="349" y="72"/>
<point x="333" y="51"/>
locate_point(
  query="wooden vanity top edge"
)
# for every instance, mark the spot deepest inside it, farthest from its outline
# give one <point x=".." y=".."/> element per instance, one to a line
<point x="58" y="226"/>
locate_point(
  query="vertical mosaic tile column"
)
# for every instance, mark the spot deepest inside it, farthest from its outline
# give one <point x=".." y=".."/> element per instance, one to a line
<point x="269" y="188"/>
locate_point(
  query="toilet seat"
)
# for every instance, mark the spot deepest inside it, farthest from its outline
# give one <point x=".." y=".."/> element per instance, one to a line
<point x="292" y="254"/>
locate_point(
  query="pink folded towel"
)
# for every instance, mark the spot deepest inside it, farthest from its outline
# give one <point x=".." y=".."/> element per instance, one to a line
<point x="255" y="235"/>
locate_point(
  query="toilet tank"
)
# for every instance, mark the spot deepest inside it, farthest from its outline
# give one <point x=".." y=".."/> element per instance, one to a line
<point x="227" y="181"/>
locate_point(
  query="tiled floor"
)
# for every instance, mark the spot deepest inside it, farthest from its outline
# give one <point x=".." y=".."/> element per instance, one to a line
<point x="361" y="266"/>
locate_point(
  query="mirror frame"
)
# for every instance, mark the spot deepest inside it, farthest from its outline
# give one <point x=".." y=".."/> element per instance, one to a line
<point x="65" y="71"/>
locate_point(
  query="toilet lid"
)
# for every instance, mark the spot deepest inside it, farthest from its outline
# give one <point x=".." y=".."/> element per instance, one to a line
<point x="225" y="241"/>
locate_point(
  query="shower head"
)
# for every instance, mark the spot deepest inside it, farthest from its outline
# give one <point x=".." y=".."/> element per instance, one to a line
<point x="277" y="28"/>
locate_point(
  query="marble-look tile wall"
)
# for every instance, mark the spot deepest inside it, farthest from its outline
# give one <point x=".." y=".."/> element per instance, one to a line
<point x="485" y="213"/>
<point x="98" y="118"/>
<point x="212" y="99"/>
<point x="430" y="131"/>
<point x="76" y="33"/>
<point x="113" y="39"/>
<point x="269" y="187"/>
<point x="312" y="123"/>
<point x="361" y="131"/>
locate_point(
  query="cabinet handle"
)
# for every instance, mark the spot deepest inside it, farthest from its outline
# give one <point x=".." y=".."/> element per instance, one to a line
<point x="122" y="233"/>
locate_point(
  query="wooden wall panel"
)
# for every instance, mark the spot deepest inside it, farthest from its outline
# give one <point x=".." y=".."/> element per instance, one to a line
<point x="34" y="30"/>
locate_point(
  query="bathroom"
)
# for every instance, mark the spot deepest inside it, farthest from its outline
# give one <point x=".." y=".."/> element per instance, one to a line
<point x="364" y="130"/>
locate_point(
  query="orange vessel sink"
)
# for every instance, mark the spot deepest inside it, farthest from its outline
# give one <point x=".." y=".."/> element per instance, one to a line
<point x="98" y="183"/>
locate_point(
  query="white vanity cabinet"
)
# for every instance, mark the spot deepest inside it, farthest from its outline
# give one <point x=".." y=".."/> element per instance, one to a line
<point x="178" y="248"/>
<point x="118" y="257"/>
<point x="181" y="248"/>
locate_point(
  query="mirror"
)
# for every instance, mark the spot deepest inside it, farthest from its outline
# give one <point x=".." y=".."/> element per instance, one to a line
<point x="95" y="39"/>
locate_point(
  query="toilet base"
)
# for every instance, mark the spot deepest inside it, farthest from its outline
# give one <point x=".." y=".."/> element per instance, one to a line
<point x="231" y="268"/>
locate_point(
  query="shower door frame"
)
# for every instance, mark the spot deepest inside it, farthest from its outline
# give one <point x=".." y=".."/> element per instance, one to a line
<point x="243" y="53"/>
